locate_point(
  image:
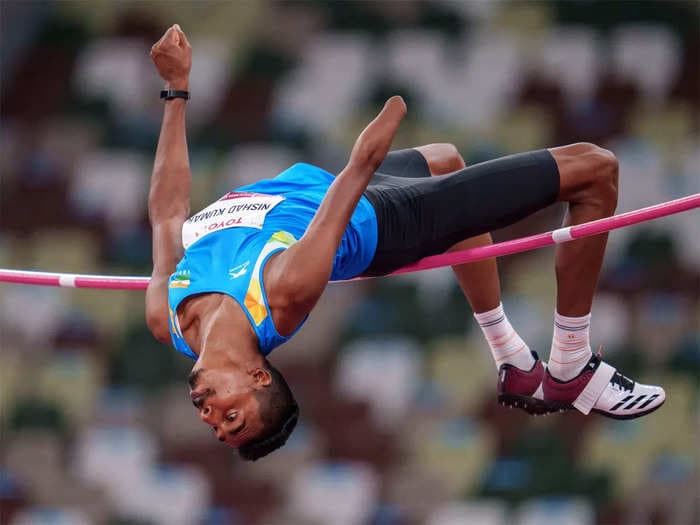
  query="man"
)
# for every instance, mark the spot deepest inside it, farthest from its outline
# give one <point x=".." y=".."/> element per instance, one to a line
<point x="240" y="277"/>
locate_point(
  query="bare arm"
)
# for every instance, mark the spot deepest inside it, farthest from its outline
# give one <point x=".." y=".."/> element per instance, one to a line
<point x="296" y="278"/>
<point x="169" y="196"/>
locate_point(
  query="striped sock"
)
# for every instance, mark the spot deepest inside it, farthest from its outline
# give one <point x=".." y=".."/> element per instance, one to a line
<point x="571" y="348"/>
<point x="505" y="343"/>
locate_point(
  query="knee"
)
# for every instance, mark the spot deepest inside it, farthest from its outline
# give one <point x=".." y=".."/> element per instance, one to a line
<point x="605" y="168"/>
<point x="592" y="172"/>
<point x="442" y="158"/>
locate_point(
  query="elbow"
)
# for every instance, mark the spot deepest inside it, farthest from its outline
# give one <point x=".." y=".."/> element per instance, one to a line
<point x="158" y="325"/>
<point x="167" y="206"/>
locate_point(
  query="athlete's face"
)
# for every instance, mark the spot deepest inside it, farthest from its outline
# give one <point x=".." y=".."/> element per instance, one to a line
<point x="226" y="402"/>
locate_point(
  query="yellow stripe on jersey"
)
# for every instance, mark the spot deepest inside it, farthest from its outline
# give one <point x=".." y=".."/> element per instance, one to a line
<point x="254" y="300"/>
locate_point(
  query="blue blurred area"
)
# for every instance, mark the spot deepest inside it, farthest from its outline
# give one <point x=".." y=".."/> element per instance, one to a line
<point x="396" y="386"/>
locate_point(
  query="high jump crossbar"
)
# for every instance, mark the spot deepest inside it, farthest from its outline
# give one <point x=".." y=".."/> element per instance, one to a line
<point x="523" y="244"/>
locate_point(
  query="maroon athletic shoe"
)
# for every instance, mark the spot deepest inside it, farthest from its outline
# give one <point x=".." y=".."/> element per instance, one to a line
<point x="523" y="388"/>
<point x="600" y="388"/>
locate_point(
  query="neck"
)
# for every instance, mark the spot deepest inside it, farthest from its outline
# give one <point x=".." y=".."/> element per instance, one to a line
<point x="224" y="335"/>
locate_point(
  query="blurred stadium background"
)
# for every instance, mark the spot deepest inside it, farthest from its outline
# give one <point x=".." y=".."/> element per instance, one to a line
<point x="399" y="419"/>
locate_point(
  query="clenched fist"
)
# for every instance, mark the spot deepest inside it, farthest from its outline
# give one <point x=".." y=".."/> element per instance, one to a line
<point x="172" y="56"/>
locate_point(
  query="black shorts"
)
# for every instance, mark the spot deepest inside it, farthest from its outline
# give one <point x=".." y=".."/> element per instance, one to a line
<point x="419" y="215"/>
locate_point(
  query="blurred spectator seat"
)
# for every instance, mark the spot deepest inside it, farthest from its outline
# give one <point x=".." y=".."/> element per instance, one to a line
<point x="35" y="459"/>
<point x="304" y="446"/>
<point x="482" y="11"/>
<point x="109" y="317"/>
<point x="667" y="127"/>
<point x="467" y="90"/>
<point x="480" y="90"/>
<point x="51" y="516"/>
<point x="116" y="458"/>
<point x="611" y="320"/>
<point x="209" y="79"/>
<point x="384" y="373"/>
<point x="416" y="59"/>
<point x="462" y="369"/>
<point x="168" y="495"/>
<point x="482" y="512"/>
<point x="121" y="459"/>
<point x="10" y="247"/>
<point x="414" y="489"/>
<point x="670" y="490"/>
<point x="344" y="493"/>
<point x="33" y="313"/>
<point x="528" y="301"/>
<point x="318" y="338"/>
<point x="119" y="70"/>
<point x="649" y="55"/>
<point x="685" y="225"/>
<point x="433" y="287"/>
<point x="527" y="21"/>
<point x="204" y="165"/>
<point x="119" y="406"/>
<point x="529" y="312"/>
<point x="72" y="381"/>
<point x="65" y="250"/>
<point x="662" y="318"/>
<point x="110" y="185"/>
<point x="570" y="55"/>
<point x="12" y="365"/>
<point x="329" y="84"/>
<point x="526" y="128"/>
<point x="628" y="448"/>
<point x="641" y="183"/>
<point x="556" y="511"/>
<point x="455" y="450"/>
<point x="690" y="168"/>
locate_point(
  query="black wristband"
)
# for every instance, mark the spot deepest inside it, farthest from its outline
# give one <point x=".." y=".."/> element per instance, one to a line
<point x="169" y="94"/>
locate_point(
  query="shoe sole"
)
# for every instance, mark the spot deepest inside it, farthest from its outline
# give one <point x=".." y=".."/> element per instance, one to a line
<point x="539" y="407"/>
<point x="531" y="405"/>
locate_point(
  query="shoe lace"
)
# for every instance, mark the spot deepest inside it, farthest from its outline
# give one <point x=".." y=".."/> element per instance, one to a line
<point x="618" y="381"/>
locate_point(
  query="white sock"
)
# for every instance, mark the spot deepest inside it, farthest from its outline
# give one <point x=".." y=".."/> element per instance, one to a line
<point x="571" y="348"/>
<point x="505" y="343"/>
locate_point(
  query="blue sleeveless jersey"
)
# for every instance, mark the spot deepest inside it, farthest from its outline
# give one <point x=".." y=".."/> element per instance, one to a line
<point x="228" y="243"/>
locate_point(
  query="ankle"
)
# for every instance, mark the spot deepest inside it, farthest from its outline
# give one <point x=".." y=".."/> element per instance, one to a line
<point x="506" y="345"/>
<point x="571" y="347"/>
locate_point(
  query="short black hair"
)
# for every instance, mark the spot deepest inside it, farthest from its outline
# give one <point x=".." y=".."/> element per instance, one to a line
<point x="279" y="412"/>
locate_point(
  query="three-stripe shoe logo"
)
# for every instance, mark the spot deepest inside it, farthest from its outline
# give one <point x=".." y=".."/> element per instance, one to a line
<point x="635" y="402"/>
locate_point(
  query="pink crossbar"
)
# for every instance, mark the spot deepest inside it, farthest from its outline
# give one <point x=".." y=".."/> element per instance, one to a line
<point x="522" y="244"/>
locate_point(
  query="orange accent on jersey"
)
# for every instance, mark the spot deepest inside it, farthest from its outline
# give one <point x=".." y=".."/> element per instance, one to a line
<point x="254" y="302"/>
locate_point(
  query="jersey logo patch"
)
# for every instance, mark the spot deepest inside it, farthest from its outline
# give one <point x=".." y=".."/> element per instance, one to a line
<point x="239" y="270"/>
<point x="181" y="279"/>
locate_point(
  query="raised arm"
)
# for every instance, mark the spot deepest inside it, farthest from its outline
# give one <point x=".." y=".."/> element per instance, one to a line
<point x="169" y="196"/>
<point x="296" y="278"/>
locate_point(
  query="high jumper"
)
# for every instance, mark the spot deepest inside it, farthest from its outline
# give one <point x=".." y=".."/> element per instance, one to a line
<point x="237" y="279"/>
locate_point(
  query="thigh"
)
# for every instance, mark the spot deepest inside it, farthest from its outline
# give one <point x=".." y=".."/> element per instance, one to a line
<point x="426" y="216"/>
